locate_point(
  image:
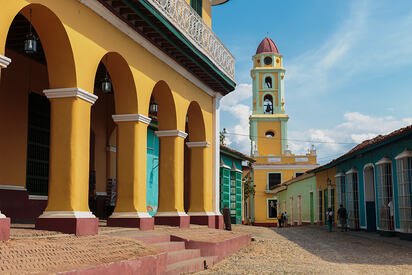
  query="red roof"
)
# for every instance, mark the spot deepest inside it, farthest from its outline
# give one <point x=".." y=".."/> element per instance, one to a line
<point x="267" y="46"/>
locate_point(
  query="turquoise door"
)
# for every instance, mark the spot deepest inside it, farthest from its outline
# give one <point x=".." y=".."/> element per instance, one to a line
<point x="312" y="217"/>
<point x="152" y="188"/>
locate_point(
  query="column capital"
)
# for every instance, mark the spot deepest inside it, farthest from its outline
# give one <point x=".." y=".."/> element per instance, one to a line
<point x="131" y="117"/>
<point x="197" y="144"/>
<point x="70" y="92"/>
<point x="171" y="133"/>
<point x="4" y="61"/>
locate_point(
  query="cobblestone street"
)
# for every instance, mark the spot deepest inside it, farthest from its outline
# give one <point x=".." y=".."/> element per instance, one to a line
<point x="313" y="250"/>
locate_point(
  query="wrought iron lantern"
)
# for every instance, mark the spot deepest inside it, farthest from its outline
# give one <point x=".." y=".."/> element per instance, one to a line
<point x="30" y="44"/>
<point x="107" y="85"/>
<point x="153" y="108"/>
<point x="328" y="182"/>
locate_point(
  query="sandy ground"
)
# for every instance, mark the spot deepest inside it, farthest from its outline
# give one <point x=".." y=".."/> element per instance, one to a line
<point x="313" y="250"/>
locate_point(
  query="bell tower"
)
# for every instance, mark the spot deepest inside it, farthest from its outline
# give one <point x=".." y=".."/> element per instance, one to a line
<point x="268" y="123"/>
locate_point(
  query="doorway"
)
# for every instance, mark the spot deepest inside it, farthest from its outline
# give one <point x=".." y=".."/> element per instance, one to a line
<point x="370" y="198"/>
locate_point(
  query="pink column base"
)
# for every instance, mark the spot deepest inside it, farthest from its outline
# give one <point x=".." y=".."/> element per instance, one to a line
<point x="141" y="223"/>
<point x="78" y="226"/>
<point x="180" y="221"/>
<point x="4" y="229"/>
<point x="219" y="224"/>
<point x="203" y="220"/>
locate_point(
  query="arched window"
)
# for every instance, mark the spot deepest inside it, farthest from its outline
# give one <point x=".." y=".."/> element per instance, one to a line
<point x="270" y="134"/>
<point x="268" y="82"/>
<point x="268" y="105"/>
<point x="197" y="5"/>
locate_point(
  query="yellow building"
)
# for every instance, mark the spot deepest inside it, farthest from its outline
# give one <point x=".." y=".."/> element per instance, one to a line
<point x="274" y="164"/>
<point x="81" y="83"/>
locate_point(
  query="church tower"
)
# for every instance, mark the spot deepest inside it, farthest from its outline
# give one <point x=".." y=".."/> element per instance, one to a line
<point x="274" y="162"/>
<point x="268" y="119"/>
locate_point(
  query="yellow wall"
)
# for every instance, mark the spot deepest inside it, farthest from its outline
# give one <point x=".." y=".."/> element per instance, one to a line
<point x="75" y="39"/>
<point x="14" y="91"/>
<point x="321" y="184"/>
<point x="269" y="145"/>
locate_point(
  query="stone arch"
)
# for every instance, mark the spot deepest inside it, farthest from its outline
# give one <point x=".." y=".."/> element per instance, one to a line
<point x="195" y="123"/>
<point x="124" y="88"/>
<point x="166" y="115"/>
<point x="56" y="45"/>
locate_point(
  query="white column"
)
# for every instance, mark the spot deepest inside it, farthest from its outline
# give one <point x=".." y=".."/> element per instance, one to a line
<point x="216" y="153"/>
<point x="4" y="62"/>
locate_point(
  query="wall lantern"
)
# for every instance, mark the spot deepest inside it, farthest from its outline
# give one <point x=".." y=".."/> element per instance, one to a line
<point x="328" y="182"/>
<point x="153" y="108"/>
<point x="30" y="44"/>
<point x="107" y="83"/>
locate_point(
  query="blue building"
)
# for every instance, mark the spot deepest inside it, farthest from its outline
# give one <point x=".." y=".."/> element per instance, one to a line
<point x="374" y="183"/>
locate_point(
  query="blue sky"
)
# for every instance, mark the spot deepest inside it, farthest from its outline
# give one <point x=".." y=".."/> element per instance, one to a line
<point x="348" y="68"/>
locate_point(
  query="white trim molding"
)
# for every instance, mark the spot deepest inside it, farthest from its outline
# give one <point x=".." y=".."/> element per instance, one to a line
<point x="38" y="198"/>
<point x="340" y="174"/>
<point x="70" y="92"/>
<point x="368" y="165"/>
<point x="101" y="193"/>
<point x="107" y="15"/>
<point x="67" y="215"/>
<point x="12" y="187"/>
<point x="384" y="160"/>
<point x="4" y="61"/>
<point x="130" y="215"/>
<point x="131" y="117"/>
<point x="405" y="154"/>
<point x="194" y="144"/>
<point x="2" y="216"/>
<point x="170" y="214"/>
<point x="171" y="133"/>
<point x="353" y="170"/>
<point x="201" y="214"/>
<point x="216" y="153"/>
<point x="284" y="167"/>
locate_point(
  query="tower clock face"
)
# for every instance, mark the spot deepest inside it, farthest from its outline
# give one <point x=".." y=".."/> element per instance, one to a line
<point x="268" y="60"/>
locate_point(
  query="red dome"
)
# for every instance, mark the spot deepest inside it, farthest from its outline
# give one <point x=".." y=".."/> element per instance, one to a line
<point x="267" y="46"/>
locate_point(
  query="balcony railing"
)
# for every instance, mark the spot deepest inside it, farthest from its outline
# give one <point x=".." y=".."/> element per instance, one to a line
<point x="188" y="22"/>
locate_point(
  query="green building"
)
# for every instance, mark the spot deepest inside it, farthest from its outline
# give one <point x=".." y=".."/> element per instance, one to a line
<point x="297" y="197"/>
<point x="231" y="185"/>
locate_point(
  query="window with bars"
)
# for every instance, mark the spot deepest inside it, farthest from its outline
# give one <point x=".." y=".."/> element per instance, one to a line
<point x="272" y="209"/>
<point x="404" y="171"/>
<point x="38" y="144"/>
<point x="320" y="210"/>
<point x="340" y="189"/>
<point x="353" y="198"/>
<point x="384" y="188"/>
<point x="197" y="5"/>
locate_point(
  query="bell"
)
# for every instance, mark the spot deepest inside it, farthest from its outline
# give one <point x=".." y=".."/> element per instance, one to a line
<point x="30" y="44"/>
<point x="268" y="109"/>
<point x="107" y="86"/>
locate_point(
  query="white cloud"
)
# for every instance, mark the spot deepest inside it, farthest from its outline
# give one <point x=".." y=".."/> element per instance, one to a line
<point x="365" y="44"/>
<point x="243" y="91"/>
<point x="354" y="129"/>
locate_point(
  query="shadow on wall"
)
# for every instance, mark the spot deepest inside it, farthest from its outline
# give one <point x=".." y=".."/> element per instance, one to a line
<point x="345" y="248"/>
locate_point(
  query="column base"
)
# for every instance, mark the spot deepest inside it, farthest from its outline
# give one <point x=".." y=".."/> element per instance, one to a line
<point x="4" y="229"/>
<point x="180" y="221"/>
<point x="77" y="226"/>
<point x="209" y="220"/>
<point x="141" y="223"/>
<point x="219" y="224"/>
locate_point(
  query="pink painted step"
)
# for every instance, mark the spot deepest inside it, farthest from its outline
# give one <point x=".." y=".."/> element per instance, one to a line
<point x="171" y="246"/>
<point x="153" y="239"/>
<point x="182" y="255"/>
<point x="192" y="265"/>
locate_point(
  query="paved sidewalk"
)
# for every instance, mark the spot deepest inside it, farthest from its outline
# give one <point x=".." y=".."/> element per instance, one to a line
<point x="313" y="250"/>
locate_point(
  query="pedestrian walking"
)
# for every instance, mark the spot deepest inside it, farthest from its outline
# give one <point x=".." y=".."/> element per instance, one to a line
<point x="285" y="219"/>
<point x="342" y="216"/>
<point x="329" y="218"/>
<point x="280" y="219"/>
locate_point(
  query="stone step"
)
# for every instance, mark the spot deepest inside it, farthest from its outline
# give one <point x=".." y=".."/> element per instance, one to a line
<point x="153" y="239"/>
<point x="182" y="255"/>
<point x="192" y="265"/>
<point x="171" y="246"/>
